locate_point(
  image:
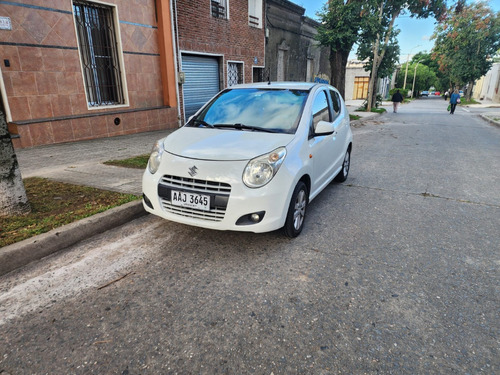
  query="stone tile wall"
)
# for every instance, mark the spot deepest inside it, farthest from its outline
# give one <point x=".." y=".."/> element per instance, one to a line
<point x="44" y="83"/>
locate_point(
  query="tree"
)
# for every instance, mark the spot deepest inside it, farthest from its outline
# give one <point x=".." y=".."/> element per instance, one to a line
<point x="425" y="77"/>
<point x="388" y="12"/>
<point x="340" y="24"/>
<point x="466" y="41"/>
<point x="13" y="199"/>
<point x="387" y="64"/>
<point x="442" y="82"/>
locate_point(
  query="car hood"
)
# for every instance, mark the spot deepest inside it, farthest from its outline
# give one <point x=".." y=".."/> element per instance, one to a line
<point x="218" y="144"/>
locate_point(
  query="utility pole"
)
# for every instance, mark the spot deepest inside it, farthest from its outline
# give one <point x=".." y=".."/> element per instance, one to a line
<point x="407" y="60"/>
<point x="414" y="76"/>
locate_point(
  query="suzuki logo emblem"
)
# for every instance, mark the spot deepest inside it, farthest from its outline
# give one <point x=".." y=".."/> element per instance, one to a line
<point x="193" y="171"/>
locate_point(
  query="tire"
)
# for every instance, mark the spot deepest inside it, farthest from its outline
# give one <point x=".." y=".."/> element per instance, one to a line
<point x="346" y="165"/>
<point x="296" y="211"/>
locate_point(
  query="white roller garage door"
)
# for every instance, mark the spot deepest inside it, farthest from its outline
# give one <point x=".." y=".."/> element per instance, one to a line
<point x="202" y="81"/>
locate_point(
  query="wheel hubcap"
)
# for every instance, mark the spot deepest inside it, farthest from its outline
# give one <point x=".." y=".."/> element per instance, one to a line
<point x="347" y="161"/>
<point x="300" y="210"/>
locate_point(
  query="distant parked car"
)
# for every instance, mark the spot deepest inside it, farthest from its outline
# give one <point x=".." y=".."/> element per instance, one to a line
<point x="461" y="92"/>
<point x="424" y="93"/>
<point x="432" y="93"/>
<point x="437" y="93"/>
<point x="251" y="159"/>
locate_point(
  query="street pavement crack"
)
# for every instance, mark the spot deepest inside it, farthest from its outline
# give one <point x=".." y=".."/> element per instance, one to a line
<point x="425" y="195"/>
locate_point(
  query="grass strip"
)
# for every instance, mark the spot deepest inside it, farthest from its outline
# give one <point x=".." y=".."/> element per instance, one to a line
<point x="54" y="204"/>
<point x="139" y="162"/>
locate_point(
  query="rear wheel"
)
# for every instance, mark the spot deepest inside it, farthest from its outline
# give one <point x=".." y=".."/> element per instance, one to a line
<point x="346" y="164"/>
<point x="296" y="211"/>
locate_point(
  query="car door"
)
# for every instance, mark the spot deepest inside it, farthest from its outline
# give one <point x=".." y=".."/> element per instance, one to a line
<point x="323" y="149"/>
<point x="341" y="124"/>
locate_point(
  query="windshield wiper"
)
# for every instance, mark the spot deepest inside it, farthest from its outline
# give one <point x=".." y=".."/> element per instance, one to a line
<point x="202" y="122"/>
<point x="244" y="127"/>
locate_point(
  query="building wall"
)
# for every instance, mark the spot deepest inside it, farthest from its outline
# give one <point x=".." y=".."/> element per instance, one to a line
<point x="231" y="39"/>
<point x="354" y="69"/>
<point x="488" y="87"/>
<point x="290" y="44"/>
<point x="44" y="83"/>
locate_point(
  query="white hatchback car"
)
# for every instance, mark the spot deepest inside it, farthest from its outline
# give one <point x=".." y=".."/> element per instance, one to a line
<point x="251" y="159"/>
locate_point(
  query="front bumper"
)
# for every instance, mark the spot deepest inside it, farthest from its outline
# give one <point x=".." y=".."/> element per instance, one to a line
<point x="231" y="201"/>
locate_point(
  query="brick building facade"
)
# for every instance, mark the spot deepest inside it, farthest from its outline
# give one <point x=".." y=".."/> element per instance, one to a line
<point x="65" y="77"/>
<point x="220" y="43"/>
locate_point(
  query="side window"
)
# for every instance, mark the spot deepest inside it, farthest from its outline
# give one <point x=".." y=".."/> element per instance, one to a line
<point x="320" y="109"/>
<point x="335" y="102"/>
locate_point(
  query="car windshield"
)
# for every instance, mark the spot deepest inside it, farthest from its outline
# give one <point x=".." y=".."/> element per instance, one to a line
<point x="270" y="110"/>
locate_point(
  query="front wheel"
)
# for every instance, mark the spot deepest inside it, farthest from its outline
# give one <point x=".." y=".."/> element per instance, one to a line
<point x="342" y="176"/>
<point x="296" y="211"/>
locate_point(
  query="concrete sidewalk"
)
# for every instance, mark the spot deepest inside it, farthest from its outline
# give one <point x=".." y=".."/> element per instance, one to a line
<point x="484" y="104"/>
<point x="81" y="163"/>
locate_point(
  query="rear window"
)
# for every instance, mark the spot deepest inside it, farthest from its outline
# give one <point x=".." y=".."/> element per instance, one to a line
<point x="274" y="109"/>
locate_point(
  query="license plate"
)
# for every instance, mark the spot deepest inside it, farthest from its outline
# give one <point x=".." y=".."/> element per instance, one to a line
<point x="190" y="200"/>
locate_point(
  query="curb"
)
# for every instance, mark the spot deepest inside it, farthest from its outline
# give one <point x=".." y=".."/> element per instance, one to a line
<point x="21" y="253"/>
<point x="362" y="119"/>
<point x="491" y="121"/>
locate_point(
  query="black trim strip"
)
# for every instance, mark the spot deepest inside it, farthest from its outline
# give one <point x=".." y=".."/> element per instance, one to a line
<point x="35" y="7"/>
<point x="141" y="53"/>
<point x="74" y="117"/>
<point x="36" y="45"/>
<point x="139" y="24"/>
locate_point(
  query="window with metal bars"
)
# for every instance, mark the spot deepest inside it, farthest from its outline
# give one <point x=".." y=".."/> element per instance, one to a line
<point x="258" y="74"/>
<point x="99" y="53"/>
<point x="234" y="73"/>
<point x="219" y="8"/>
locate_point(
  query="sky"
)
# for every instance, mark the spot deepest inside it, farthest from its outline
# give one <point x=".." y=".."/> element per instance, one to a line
<point x="414" y="36"/>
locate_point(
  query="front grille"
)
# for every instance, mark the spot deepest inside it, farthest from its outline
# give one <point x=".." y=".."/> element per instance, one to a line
<point x="215" y="214"/>
<point x="218" y="191"/>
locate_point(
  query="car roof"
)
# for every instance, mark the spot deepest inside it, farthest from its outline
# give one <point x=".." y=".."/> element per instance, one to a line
<point x="279" y="85"/>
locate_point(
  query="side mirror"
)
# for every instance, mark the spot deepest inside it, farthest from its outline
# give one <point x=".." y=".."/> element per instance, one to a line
<point x="324" y="128"/>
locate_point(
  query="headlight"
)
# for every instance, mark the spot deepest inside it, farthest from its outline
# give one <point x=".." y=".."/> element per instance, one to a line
<point x="155" y="157"/>
<point x="261" y="170"/>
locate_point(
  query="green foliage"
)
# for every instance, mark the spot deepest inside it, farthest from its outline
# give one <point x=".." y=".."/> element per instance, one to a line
<point x="464" y="101"/>
<point x="340" y="23"/>
<point x="465" y="42"/>
<point x="378" y="102"/>
<point x="381" y="34"/>
<point x="390" y="60"/>
<point x="443" y="81"/>
<point x="425" y="77"/>
<point x="403" y="92"/>
<point x="369" y="23"/>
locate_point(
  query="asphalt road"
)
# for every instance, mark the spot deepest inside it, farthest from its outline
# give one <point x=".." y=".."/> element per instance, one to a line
<point x="397" y="271"/>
